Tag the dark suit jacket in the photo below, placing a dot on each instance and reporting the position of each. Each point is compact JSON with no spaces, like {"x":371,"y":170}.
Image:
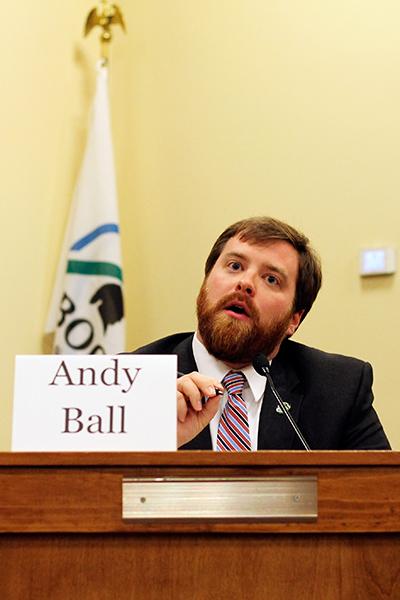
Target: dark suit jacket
{"x":330,"y":397}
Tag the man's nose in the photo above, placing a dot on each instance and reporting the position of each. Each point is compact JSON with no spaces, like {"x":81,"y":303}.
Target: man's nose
{"x":246,"y":286}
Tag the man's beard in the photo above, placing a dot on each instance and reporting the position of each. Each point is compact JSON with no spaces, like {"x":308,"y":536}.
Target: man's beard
{"x":237,"y":341}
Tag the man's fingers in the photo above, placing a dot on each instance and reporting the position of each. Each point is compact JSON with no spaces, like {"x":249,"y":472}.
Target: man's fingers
{"x":190,"y":391}
{"x":195,"y":386}
{"x":193,"y":413}
{"x":182,"y":407}
{"x":191,"y":422}
{"x":210,"y":408}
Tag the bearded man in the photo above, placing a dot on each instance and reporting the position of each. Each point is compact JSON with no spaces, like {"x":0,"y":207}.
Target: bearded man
{"x":261,"y":280}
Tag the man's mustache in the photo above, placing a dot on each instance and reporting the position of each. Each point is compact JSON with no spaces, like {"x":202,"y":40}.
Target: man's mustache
{"x":241,"y":300}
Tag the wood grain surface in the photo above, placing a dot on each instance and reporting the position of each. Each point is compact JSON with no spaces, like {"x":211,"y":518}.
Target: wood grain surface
{"x":62,"y":535}
{"x":357,"y":494}
{"x":151,"y":567}
{"x":202,"y":458}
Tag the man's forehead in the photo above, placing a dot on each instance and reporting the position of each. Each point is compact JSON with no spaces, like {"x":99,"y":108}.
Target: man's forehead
{"x":238,"y":244}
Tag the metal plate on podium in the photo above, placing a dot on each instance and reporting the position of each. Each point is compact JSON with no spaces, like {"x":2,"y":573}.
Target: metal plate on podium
{"x":253,"y":498}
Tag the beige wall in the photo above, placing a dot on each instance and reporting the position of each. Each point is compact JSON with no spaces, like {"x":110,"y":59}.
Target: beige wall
{"x":221,"y":109}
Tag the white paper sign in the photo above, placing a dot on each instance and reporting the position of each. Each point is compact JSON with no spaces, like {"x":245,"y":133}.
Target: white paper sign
{"x":95,"y":402}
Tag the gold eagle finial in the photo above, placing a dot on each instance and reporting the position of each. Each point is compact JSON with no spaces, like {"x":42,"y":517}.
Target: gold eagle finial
{"x":104,"y":15}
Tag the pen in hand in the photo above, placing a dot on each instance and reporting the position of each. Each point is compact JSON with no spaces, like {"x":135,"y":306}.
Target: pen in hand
{"x":218,"y":392}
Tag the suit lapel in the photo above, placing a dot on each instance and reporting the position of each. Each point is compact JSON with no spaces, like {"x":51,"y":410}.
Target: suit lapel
{"x":187,"y":364}
{"x":184,"y":352}
{"x":275,"y":431}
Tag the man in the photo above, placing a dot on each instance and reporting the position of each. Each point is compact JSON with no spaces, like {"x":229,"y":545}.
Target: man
{"x":261,"y":279}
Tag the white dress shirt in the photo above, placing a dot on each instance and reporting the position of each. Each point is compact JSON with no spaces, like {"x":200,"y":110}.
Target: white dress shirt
{"x":253,"y":390}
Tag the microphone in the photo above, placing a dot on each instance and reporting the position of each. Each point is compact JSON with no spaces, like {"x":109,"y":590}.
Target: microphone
{"x":260,"y":364}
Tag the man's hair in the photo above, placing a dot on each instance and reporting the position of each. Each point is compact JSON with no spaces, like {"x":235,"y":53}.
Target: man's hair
{"x":261,"y":230}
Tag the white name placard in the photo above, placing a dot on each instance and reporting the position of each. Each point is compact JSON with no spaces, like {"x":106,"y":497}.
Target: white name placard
{"x":97,"y":402}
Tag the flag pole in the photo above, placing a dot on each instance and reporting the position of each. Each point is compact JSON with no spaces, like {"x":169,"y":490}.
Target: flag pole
{"x":104,"y":15}
{"x":86,"y":314}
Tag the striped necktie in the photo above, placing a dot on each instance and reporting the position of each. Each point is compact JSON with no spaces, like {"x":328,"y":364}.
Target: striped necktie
{"x":233,"y":429}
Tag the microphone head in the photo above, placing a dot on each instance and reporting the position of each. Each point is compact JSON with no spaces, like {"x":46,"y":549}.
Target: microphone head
{"x":260,"y":364}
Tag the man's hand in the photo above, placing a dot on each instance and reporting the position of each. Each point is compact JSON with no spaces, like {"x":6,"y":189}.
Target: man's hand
{"x":193,"y":415}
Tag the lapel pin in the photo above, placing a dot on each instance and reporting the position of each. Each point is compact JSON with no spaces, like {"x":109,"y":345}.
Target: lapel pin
{"x":280,"y":411}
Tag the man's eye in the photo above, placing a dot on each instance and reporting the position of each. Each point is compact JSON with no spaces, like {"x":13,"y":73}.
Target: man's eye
{"x":272,"y":280}
{"x":235,"y":266}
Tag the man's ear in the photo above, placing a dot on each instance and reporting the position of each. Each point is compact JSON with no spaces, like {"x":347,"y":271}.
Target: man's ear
{"x":294,"y":322}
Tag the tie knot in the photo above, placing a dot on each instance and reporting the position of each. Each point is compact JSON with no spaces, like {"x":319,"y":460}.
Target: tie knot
{"x":234,"y":382}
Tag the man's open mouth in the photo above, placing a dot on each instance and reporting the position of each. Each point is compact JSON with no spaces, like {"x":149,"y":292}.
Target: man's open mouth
{"x":238,"y":309}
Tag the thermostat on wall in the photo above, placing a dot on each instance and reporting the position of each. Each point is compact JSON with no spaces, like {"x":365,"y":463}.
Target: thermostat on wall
{"x":377,"y":261}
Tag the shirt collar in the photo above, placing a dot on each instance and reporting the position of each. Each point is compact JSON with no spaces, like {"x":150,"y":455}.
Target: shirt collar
{"x":206,"y":363}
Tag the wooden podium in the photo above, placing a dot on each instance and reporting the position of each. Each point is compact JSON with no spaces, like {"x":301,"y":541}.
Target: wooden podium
{"x":63,"y":535}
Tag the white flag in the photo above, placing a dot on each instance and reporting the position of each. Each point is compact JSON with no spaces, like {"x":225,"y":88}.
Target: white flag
{"x":86,"y":312}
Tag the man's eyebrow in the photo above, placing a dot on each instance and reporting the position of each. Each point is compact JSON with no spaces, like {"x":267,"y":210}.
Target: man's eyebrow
{"x":236,"y":255}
